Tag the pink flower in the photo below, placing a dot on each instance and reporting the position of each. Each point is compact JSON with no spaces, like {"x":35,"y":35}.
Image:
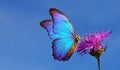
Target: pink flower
{"x":92,"y":43}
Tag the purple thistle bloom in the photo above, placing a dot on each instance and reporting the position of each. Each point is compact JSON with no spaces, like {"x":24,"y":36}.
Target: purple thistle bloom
{"x":92,"y":43}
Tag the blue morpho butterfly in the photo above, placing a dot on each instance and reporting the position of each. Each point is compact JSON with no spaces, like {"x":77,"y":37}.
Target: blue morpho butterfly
{"x":62,"y":33}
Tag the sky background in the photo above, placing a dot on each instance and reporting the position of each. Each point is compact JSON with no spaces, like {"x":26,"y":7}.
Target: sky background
{"x":24,"y":45}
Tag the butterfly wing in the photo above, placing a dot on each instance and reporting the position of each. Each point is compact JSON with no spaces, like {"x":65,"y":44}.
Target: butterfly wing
{"x":48,"y":25}
{"x":62,"y":26}
{"x":64,"y":36}
{"x":61,"y":48}
{"x":61,"y":31}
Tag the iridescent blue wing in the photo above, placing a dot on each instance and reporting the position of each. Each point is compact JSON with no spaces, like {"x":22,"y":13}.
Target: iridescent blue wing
{"x":61,"y":31}
{"x":62,"y":26}
{"x":48,"y":25}
{"x":61,"y":47}
{"x":64,"y":36}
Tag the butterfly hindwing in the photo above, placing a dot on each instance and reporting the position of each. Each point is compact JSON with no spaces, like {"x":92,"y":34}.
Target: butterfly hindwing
{"x":61,"y":47}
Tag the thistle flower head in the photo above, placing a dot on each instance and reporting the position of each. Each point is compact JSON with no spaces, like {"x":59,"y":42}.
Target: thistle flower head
{"x":93,"y":43}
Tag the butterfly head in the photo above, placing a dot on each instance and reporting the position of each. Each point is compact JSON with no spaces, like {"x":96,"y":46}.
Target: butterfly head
{"x":77,"y":39}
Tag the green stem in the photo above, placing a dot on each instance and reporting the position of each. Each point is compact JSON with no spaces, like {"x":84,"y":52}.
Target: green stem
{"x":98,"y":59}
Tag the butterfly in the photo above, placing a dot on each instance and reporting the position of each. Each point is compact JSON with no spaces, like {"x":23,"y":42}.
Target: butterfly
{"x":61,"y":31}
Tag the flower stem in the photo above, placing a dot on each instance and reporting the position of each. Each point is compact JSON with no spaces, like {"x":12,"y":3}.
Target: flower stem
{"x":98,"y":59}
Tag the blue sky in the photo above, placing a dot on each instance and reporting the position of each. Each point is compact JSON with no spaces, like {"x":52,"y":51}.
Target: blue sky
{"x":24,"y":45}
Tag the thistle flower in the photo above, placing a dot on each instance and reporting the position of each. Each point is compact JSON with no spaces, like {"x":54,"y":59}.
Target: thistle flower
{"x":92,"y":43}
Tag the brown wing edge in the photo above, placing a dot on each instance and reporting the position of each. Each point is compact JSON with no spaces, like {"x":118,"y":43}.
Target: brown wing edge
{"x":44,"y":22}
{"x":56,"y":10}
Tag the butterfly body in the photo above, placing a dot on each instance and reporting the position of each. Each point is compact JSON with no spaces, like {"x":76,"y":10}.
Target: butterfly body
{"x":62,"y":33}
